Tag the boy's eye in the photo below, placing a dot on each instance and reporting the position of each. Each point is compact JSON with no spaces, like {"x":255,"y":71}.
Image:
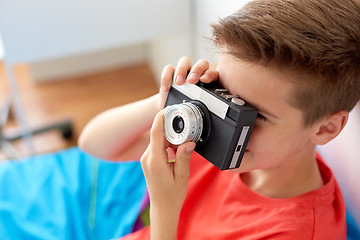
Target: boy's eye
{"x":261,"y":117}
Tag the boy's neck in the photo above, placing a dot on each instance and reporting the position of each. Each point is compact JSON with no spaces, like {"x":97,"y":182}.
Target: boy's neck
{"x":297,"y":176}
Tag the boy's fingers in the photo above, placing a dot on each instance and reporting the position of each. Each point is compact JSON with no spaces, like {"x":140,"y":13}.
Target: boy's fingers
{"x":182,"y":162}
{"x":157,"y":129}
{"x":157,"y":137}
{"x":166,"y":78}
{"x":166,"y":81}
{"x":158,"y":144}
{"x":209,"y":76}
{"x":198,"y":70}
{"x":184,"y":65}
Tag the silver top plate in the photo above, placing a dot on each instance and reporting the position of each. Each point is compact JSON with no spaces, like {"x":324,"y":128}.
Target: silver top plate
{"x":215,"y":105}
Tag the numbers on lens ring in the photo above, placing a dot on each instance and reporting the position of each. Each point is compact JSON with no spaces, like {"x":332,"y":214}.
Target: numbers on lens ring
{"x":183,"y":133}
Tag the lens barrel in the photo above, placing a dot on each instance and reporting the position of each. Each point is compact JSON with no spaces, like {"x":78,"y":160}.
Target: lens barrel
{"x":185,"y":122}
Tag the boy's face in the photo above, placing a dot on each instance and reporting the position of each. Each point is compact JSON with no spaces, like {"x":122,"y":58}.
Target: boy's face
{"x":279,"y":138}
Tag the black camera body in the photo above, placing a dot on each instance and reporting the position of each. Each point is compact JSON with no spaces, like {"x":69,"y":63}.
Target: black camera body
{"x":226,"y":122}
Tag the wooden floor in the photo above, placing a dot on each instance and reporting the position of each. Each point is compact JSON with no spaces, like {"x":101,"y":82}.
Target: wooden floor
{"x":79,"y":99}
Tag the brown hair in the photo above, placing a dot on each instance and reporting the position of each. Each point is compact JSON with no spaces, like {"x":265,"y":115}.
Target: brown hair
{"x":318,"y":41}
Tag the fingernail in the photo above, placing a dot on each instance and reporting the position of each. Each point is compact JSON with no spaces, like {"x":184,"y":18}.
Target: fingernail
{"x":204,"y":77}
{"x":193,"y":77}
{"x":190,"y":149}
{"x":179,"y":79}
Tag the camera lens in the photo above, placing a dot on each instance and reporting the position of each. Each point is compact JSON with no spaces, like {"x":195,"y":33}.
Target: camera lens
{"x":178,"y":124}
{"x":186,"y":122}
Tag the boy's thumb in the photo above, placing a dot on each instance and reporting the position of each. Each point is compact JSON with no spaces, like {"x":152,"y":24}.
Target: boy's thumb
{"x":183,"y":156}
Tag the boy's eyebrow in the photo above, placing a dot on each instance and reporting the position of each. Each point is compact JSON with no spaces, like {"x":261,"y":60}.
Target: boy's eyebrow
{"x":261,"y":110}
{"x":267,"y":113}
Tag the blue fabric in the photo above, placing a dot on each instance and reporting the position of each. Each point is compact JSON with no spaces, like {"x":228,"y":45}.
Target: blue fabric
{"x":353,"y":232}
{"x":69,"y":195}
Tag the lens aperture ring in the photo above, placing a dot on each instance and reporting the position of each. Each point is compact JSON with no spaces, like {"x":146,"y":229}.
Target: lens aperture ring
{"x":183,"y":123}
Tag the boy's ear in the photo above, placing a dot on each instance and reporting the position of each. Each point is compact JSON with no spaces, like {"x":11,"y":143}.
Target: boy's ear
{"x":329,"y":128}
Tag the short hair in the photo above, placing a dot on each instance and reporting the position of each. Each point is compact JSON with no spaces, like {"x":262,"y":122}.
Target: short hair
{"x":318,"y":41}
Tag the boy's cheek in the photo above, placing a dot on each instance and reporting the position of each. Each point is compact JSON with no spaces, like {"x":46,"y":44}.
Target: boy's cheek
{"x":262,"y":140}
{"x":258,"y":134}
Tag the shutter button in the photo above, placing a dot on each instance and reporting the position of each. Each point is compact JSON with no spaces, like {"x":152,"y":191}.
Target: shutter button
{"x":238,"y":101}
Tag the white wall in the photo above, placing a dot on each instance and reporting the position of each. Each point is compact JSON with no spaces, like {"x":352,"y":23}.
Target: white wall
{"x":61,"y":28}
{"x":207,"y":12}
{"x":191,"y":40}
{"x":53,"y":32}
{"x":1,"y":50}
{"x":196,"y":44}
{"x":168,"y":50}
{"x":84,"y":64}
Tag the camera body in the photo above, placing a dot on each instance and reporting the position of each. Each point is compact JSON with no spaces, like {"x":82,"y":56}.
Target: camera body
{"x":226,"y":122}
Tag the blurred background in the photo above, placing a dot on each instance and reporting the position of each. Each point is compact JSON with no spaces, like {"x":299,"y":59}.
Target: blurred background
{"x":70,"y":60}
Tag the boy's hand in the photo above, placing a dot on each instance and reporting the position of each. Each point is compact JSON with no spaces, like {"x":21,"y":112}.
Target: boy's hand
{"x":167,"y":180}
{"x":199,"y":72}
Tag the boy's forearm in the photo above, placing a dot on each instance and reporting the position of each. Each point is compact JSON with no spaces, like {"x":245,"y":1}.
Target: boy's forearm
{"x":114,"y":130}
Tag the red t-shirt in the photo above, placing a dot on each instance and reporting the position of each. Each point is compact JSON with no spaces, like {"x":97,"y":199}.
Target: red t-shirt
{"x":220,"y":206}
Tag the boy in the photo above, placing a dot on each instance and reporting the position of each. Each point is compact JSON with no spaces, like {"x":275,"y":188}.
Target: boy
{"x":298,"y":63}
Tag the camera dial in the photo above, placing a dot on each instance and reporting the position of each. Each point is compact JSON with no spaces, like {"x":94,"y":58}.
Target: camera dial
{"x":185,"y":122}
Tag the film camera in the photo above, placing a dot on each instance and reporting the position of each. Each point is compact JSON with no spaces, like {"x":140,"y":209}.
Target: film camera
{"x":219,"y":123}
